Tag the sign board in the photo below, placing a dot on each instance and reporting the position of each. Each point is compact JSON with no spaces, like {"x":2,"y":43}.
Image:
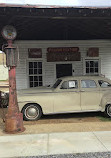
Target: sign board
{"x":9,"y":32}
{"x":93,"y":52}
{"x":63,"y":49}
{"x":63,"y":54}
{"x":72,"y":84}
{"x":34,"y":53}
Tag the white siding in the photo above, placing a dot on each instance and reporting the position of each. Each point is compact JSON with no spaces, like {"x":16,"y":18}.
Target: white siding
{"x":49,"y":74}
{"x":21,"y":70}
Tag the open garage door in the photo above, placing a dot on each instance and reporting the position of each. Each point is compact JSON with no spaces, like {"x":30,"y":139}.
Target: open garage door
{"x":63,"y":70}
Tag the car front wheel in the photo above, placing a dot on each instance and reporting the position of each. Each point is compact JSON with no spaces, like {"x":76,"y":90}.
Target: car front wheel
{"x":31,"y":112}
{"x":108,"y":110}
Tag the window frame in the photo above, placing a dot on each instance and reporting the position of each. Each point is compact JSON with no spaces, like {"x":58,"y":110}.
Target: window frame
{"x":88,"y":80}
{"x":104,"y":81}
{"x":37,"y":61}
{"x":67,"y":86}
{"x":92,"y":59}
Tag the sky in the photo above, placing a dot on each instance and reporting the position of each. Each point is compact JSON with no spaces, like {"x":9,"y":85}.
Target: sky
{"x":91,"y":3}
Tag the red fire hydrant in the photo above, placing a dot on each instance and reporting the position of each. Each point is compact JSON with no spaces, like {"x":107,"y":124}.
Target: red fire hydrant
{"x":14,"y":118}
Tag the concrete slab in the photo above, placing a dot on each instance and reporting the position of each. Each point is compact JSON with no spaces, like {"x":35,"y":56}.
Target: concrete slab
{"x":63,"y":143}
{"x":105,"y":138}
{"x":54,"y":143}
{"x":23,"y":145}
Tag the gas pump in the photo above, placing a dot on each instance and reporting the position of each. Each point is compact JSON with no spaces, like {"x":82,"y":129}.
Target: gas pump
{"x":13,"y":118}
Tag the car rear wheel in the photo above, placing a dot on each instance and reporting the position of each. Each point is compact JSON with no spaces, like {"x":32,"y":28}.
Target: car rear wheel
{"x":31,"y":112}
{"x":108,"y":110}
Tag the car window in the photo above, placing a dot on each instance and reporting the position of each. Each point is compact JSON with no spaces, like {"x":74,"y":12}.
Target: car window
{"x":69,"y":84}
{"x":103,"y":84}
{"x":56,"y":83}
{"x":88,"y":84}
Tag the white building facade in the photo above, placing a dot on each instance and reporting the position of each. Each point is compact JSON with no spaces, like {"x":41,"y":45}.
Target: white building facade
{"x":37,"y":70}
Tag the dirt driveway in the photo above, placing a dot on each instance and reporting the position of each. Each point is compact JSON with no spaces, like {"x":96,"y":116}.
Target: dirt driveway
{"x":61,"y":118}
{"x":83,"y":122}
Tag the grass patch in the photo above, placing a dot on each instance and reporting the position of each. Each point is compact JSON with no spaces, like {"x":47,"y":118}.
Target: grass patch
{"x":103,"y":118}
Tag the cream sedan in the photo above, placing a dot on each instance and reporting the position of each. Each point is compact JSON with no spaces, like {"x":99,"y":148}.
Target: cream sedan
{"x":67,"y":95}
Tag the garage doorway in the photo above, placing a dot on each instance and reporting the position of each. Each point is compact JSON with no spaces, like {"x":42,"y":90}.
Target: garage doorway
{"x":63,"y":70}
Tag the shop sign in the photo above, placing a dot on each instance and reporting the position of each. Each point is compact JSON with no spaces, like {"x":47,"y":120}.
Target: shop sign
{"x":63,"y":54}
{"x":63,"y":49}
{"x":93,"y":52}
{"x":34,"y":53}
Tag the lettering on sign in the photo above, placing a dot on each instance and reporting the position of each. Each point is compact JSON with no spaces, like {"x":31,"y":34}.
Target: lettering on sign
{"x":63,"y":49}
{"x":34,"y":53}
{"x":63,"y":54}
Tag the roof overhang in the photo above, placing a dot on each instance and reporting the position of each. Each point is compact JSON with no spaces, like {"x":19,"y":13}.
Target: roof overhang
{"x":57,"y":23}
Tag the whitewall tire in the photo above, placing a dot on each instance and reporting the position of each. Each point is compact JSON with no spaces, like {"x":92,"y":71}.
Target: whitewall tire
{"x":31,"y":112}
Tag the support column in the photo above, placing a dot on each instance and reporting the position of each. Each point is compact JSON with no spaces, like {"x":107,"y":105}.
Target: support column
{"x":14,"y":119}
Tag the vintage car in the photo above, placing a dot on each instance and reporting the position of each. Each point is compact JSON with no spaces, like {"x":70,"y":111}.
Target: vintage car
{"x":67,"y":95}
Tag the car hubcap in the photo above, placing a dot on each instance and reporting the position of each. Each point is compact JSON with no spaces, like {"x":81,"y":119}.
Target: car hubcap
{"x":32,"y":112}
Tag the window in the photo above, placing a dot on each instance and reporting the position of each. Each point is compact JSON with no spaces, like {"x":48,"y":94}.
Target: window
{"x":69,"y":84}
{"x":56,"y":83}
{"x":103,"y":84}
{"x":88,"y":84}
{"x":35,"y":74}
{"x":92,"y":67}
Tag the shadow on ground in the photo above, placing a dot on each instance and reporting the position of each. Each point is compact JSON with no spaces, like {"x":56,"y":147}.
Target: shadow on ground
{"x":62,"y":118}
{"x":73,"y":115}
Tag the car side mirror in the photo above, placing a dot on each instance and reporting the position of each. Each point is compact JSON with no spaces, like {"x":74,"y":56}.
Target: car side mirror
{"x":109,"y":85}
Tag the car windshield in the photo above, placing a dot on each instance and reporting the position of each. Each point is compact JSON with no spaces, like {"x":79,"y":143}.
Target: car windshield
{"x":56,"y":83}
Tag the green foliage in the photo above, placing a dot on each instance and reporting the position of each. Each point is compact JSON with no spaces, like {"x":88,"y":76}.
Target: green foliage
{"x":103,"y":118}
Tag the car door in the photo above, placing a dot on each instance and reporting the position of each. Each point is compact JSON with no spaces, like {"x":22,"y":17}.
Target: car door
{"x":90,"y":97}
{"x":67,"y":97}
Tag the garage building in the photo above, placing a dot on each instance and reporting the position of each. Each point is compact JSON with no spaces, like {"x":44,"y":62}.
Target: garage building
{"x":56,"y":42}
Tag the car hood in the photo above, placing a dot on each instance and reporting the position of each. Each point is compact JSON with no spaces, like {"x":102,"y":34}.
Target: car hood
{"x":35,"y":90}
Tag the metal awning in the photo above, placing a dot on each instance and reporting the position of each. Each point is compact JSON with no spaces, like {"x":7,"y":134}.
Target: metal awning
{"x":57,"y":23}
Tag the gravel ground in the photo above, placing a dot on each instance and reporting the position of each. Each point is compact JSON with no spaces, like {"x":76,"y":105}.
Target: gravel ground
{"x":84,"y":155}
